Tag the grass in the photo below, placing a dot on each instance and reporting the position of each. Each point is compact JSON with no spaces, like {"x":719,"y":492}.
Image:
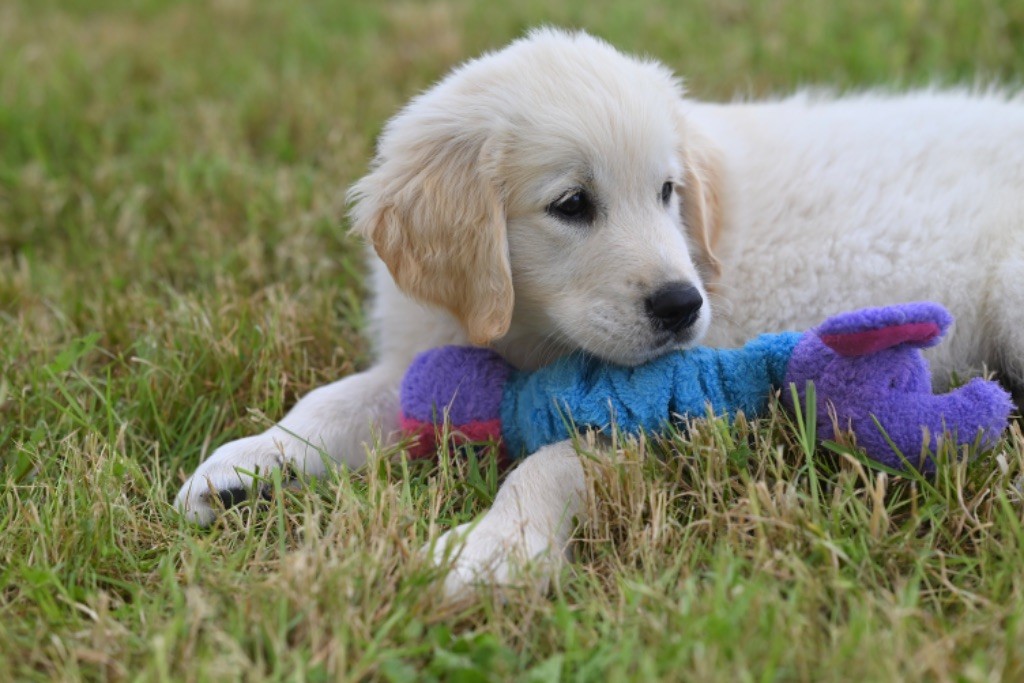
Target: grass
{"x":174,"y":272}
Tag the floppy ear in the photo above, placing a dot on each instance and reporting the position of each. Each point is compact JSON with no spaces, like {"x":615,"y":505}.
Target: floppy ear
{"x":701,"y":201}
{"x":435,"y":215}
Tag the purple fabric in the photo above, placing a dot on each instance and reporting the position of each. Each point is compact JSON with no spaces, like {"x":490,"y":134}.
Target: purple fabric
{"x":477,"y":376}
{"x":893,"y":385}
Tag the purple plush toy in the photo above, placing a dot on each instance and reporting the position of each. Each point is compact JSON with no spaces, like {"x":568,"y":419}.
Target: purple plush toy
{"x":865,"y":366}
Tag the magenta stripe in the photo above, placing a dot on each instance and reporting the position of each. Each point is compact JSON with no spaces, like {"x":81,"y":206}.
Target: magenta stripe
{"x":872,"y":341}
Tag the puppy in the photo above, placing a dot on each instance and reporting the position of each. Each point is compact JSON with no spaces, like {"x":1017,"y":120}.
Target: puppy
{"x":559,"y":195}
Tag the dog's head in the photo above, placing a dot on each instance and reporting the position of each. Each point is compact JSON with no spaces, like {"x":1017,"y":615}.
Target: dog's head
{"x":552,"y":198}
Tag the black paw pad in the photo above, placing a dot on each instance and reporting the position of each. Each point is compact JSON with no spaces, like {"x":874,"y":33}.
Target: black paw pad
{"x":232,"y":497}
{"x":229,"y":498}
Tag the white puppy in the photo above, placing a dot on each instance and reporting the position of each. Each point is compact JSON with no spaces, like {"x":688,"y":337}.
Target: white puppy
{"x":558,"y":195}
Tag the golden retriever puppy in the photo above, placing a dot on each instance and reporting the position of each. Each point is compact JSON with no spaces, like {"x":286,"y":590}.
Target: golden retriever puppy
{"x":559,"y":195}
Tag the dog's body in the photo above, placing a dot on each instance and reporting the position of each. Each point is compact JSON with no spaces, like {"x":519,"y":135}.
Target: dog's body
{"x":558,"y":195}
{"x":835,"y":204}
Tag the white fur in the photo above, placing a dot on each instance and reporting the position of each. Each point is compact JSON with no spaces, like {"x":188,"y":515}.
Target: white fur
{"x":785,"y":212}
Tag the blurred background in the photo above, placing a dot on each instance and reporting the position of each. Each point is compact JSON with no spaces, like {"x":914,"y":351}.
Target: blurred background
{"x":133,"y":134}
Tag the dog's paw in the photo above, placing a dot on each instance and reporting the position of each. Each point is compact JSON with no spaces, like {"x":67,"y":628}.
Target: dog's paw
{"x":496,"y":552}
{"x":226,"y":478}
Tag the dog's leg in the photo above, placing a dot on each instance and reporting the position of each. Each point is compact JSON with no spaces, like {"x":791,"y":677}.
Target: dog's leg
{"x":335,"y":423}
{"x":530,"y":523}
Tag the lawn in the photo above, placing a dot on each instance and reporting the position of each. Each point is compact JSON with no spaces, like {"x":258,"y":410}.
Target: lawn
{"x":175,"y":272}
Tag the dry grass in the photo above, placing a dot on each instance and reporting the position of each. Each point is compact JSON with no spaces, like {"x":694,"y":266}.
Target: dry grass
{"x":174,"y":273}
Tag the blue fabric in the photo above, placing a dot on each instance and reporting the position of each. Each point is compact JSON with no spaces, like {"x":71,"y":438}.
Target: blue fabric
{"x":539,"y":407}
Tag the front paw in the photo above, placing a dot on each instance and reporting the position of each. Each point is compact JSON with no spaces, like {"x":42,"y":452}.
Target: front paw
{"x":496,"y":552}
{"x":225,"y":479}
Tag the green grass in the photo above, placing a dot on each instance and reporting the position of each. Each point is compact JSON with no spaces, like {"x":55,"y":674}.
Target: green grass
{"x":174,"y":272}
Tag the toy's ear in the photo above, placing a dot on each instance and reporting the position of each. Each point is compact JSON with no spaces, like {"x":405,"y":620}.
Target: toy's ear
{"x":433,"y":211}
{"x":870,"y":330}
{"x":701,"y":196}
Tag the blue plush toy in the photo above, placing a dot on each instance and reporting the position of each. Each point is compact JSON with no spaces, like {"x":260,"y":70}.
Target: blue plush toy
{"x":866,"y":366}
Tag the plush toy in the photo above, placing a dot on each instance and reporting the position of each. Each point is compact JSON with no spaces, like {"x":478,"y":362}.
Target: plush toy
{"x":865,"y":366}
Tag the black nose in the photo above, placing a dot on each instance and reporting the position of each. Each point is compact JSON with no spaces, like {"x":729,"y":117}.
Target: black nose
{"x":674,"y":306}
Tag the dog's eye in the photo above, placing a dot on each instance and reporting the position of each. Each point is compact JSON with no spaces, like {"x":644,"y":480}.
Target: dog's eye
{"x":575,"y":206}
{"x":666,"y":192}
